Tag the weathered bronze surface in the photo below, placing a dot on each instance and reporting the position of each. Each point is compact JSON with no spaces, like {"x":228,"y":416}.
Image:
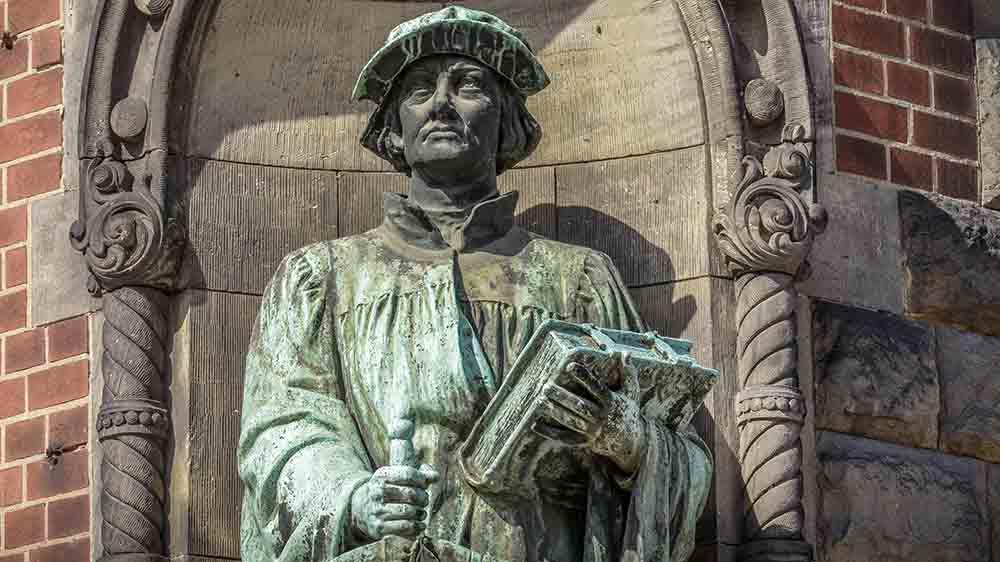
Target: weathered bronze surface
{"x":375,"y":354}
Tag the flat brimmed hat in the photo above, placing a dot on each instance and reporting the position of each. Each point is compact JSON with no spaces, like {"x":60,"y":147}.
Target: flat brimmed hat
{"x":452,"y":30}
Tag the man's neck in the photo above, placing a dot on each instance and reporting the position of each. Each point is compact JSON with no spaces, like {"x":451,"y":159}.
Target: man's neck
{"x":439,"y":196}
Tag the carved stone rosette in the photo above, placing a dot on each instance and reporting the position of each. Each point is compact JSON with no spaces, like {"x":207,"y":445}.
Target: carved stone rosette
{"x":132,"y":247}
{"x":765,"y":233}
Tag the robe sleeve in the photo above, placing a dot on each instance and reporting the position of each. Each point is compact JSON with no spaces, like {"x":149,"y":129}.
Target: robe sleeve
{"x":660,"y":504}
{"x":300,"y":455}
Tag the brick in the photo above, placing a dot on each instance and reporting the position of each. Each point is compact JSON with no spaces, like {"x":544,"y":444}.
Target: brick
{"x":13,"y":225}
{"x":911,"y":168}
{"x":945,"y":134}
{"x":24,"y":350}
{"x":868,"y":31}
{"x":63,"y":552}
{"x":957,"y":180}
{"x":858,"y":71}
{"x":858,"y":156}
{"x":11,"y":397}
{"x":912,"y":9}
{"x":16,"y":267}
{"x":14,"y":61}
{"x":34,"y":177}
{"x":34,"y":93}
{"x":954,"y":95}
{"x":869,"y":4}
{"x":31,"y":135}
{"x":24,"y":439}
{"x":26,"y":14}
{"x":908,"y":83}
{"x":955,"y":15}
{"x":10,"y":486}
{"x":65,"y":473}
{"x":68,"y":338}
{"x":69,"y":517}
{"x":940,"y":50}
{"x":872,"y":117}
{"x":46,"y":47}
{"x":24,"y":526}
{"x":13,"y":310}
{"x":57,"y":385}
{"x":68,"y":428}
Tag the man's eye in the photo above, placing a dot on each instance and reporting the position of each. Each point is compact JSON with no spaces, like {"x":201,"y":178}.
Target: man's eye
{"x":469,"y":82}
{"x":419,"y":92}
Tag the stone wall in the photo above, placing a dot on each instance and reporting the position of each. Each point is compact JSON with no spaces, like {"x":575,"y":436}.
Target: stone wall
{"x":44,"y":361}
{"x":905,"y":324}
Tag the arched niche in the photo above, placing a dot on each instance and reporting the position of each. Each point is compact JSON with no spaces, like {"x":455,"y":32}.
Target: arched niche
{"x":230,"y":125}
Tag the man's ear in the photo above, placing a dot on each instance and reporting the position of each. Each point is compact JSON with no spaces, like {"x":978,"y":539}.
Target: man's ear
{"x":395,"y":142}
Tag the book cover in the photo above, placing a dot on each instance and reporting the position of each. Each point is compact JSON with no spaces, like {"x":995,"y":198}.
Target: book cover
{"x":501,"y":450}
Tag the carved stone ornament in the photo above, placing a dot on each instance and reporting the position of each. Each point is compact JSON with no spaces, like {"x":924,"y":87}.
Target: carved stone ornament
{"x":765,"y":234}
{"x":126,"y":237}
{"x":767,"y":225}
{"x":764,"y":101}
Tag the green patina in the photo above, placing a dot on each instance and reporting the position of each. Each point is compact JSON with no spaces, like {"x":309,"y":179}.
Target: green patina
{"x":415,"y":324}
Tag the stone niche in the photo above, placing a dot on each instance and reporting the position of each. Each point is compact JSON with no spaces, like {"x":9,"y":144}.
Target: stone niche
{"x":272,"y":162}
{"x":234,"y":118}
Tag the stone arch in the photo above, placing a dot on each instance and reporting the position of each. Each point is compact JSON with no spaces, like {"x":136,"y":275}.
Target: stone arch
{"x":194,"y":183}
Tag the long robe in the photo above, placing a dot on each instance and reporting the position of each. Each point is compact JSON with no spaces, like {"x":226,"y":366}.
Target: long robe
{"x":421,"y":319}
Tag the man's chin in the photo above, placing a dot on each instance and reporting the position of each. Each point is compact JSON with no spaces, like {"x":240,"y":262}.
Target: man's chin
{"x":446,"y":156}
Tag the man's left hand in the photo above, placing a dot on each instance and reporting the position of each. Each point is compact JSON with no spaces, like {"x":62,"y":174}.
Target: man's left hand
{"x":607,"y":422}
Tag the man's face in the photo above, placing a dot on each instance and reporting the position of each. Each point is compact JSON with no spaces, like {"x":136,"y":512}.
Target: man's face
{"x":449,"y":109}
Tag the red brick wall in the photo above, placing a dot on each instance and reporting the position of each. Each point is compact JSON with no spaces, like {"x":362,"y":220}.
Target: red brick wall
{"x":904,"y":93}
{"x":44,"y":383}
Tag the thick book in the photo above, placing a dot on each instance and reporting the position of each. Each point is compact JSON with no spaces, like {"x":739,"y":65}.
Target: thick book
{"x":499,"y":453}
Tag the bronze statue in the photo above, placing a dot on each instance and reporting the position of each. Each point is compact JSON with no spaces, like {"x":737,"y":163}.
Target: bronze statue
{"x":375,"y":354}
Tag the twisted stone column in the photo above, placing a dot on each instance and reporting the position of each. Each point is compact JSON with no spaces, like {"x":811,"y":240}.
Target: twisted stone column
{"x":770,"y":414}
{"x":132,"y":424}
{"x":765,"y":233}
{"x":132,"y":251}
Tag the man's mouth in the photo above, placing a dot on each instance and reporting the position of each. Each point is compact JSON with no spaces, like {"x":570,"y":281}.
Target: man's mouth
{"x":441,"y":132}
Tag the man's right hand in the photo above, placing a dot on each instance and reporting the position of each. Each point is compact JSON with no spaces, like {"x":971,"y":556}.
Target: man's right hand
{"x":392,"y":502}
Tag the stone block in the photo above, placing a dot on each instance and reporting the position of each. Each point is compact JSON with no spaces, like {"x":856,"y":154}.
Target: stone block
{"x":951,"y":261}
{"x":649,"y":213}
{"x":988,"y":94}
{"x":58,"y":273}
{"x":883,"y":502}
{"x":856,"y":260}
{"x":244,"y":219}
{"x":207,"y":393}
{"x":875,"y":375}
{"x":970,"y":419}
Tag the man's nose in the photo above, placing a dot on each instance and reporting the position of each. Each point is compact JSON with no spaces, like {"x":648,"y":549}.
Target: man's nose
{"x":441,"y":101}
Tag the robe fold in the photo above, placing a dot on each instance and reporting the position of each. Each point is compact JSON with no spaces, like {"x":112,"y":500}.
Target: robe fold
{"x":422,"y":321}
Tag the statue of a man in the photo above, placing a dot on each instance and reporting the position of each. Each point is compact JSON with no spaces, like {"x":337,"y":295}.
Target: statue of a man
{"x":420,"y":319}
